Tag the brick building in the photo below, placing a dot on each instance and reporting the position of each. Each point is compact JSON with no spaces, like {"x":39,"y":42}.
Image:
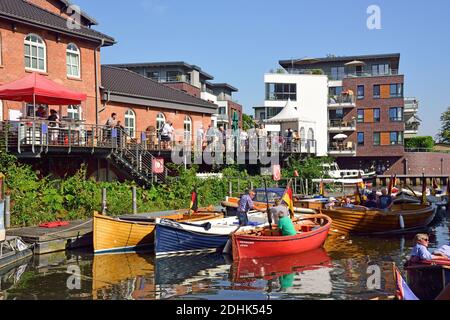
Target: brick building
{"x":35,"y":37}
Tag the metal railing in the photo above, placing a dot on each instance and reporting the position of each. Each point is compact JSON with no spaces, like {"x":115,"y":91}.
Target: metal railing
{"x":341,"y":99}
{"x":342,"y":148}
{"x":367,"y":72}
{"x":341,"y":124}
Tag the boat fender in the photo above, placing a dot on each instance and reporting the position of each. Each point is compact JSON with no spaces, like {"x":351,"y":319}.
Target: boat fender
{"x":402,"y":222}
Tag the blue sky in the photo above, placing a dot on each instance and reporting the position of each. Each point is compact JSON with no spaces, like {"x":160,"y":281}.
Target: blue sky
{"x":239,"y":41}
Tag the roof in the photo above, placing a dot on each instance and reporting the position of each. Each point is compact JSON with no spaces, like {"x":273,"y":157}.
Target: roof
{"x":164,"y":64}
{"x":92,"y":21}
{"x":128,"y":83}
{"x":290,"y":113}
{"x":222,"y":85}
{"x":27,"y":13}
{"x":289,"y":62}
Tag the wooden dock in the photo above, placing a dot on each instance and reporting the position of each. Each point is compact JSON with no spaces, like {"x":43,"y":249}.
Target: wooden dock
{"x":77,"y":234}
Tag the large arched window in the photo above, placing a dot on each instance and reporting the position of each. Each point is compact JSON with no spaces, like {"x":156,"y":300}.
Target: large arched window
{"x":187,"y":128}
{"x":303,"y":134}
{"x":73,"y":61}
{"x":160,"y":121}
{"x":35,"y":53}
{"x":310,"y":134}
{"x":130,"y":123}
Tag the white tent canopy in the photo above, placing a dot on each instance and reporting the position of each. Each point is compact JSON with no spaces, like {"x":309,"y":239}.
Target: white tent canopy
{"x":290,"y":113}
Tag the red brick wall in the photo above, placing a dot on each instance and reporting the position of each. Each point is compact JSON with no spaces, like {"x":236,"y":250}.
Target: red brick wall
{"x":146,"y":117}
{"x":189,"y":89}
{"x":13,"y":64}
{"x":422,"y":162}
{"x":385,"y":125}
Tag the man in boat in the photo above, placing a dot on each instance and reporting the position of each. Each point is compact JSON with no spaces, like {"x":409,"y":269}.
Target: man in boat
{"x":420,"y":251}
{"x":385,"y":201}
{"x":277,"y":209}
{"x":245,"y":206}
{"x":286,"y":225}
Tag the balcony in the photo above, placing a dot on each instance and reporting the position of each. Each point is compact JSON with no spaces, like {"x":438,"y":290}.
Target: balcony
{"x":178,"y":78}
{"x":411,"y":105}
{"x":222,"y":118}
{"x":340,"y":76}
{"x":339,"y":149}
{"x":338,"y":125}
{"x":341,"y":101}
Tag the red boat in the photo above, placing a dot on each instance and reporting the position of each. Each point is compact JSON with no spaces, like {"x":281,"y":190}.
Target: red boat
{"x":249,"y":270}
{"x":312,"y":233}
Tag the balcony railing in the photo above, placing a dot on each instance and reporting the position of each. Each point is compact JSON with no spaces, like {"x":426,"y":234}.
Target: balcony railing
{"x":179,"y":78}
{"x":341,"y":100}
{"x":347,"y":74}
{"x":338,"y":148}
{"x":341,"y":125}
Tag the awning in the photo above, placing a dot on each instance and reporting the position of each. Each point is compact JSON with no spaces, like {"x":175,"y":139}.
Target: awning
{"x":36,"y":88}
{"x":290,"y":113}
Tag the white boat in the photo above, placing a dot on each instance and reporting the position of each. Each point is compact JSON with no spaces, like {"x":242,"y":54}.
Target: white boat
{"x":334,"y":172}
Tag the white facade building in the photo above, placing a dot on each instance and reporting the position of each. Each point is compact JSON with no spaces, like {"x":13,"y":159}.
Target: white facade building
{"x":308,"y":96}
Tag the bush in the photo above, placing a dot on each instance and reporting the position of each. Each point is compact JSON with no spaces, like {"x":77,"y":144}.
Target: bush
{"x":420,"y":143}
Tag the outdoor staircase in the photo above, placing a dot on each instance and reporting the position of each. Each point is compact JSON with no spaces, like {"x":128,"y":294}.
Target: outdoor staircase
{"x":137,"y":161}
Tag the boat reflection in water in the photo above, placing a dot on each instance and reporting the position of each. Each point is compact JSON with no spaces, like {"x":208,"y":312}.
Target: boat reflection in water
{"x":306,"y":273}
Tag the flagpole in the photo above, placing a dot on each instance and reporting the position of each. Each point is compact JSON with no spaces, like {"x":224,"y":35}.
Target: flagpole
{"x":269,"y":216}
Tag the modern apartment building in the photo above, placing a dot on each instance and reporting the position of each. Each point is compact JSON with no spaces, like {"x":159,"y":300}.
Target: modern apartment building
{"x":192,"y":80}
{"x":412,"y":120}
{"x":366,"y":106}
{"x":305,"y":96}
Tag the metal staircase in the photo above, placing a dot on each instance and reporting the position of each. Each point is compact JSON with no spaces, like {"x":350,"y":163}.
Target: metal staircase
{"x":133,"y":157}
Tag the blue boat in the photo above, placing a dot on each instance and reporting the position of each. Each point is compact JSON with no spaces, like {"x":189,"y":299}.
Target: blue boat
{"x":176,"y":238}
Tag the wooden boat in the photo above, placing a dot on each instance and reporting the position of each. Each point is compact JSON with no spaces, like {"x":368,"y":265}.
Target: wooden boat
{"x":175,"y":238}
{"x":249,"y":270}
{"x":428,"y":279}
{"x":312,"y":234}
{"x":401,"y":218}
{"x":133,"y":234}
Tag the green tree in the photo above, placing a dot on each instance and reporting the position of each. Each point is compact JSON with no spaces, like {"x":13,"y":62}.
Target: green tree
{"x":247,"y":122}
{"x":420,"y":143}
{"x":444,"y":134}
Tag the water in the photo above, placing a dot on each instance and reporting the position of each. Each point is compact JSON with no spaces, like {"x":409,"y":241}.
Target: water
{"x":340,"y":271}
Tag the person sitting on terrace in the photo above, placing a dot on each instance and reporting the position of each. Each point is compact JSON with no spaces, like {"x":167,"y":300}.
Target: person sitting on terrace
{"x":385,"y":201}
{"x":420,"y":251}
{"x":41,"y":112}
{"x":286,"y":225}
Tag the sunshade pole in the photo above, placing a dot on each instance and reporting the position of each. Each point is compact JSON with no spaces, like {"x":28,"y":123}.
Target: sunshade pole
{"x":34,"y":106}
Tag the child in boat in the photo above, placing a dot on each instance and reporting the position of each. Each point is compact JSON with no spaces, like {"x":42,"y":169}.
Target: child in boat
{"x":286,"y":225}
{"x":420,"y":251}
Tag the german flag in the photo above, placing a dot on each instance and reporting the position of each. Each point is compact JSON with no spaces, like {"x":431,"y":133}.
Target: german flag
{"x":194,"y":202}
{"x":322,"y":189}
{"x":288,"y":199}
{"x":392,"y":184}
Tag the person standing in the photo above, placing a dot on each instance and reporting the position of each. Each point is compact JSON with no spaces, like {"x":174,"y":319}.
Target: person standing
{"x":245,"y":206}
{"x":200,"y":137}
{"x":54,"y":122}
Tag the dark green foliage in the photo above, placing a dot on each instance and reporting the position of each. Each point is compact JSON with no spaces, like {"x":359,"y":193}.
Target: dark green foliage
{"x":426,"y":143}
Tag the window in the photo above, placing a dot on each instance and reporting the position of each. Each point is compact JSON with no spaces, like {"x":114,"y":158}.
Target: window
{"x":361,"y":92}
{"x":187,"y":128}
{"x":340,"y":114}
{"x":380,"y":69}
{"x":360,"y":116}
{"x":310,"y":134}
{"x":173,"y":76}
{"x":396,"y":114}
{"x":360,"y":138}
{"x":130,"y":123}
{"x":154,"y":75}
{"x":160,"y":121}
{"x":397,"y":90}
{"x":74,"y":112}
{"x":376,"y":138}
{"x":396,"y":138}
{"x":35,"y":53}
{"x":40,"y":111}
{"x":336,"y":91}
{"x":376,"y":91}
{"x":73,"y":61}
{"x":222,"y":110}
{"x":337,"y":73}
{"x":376,"y":115}
{"x":302,"y":134}
{"x":281,"y":91}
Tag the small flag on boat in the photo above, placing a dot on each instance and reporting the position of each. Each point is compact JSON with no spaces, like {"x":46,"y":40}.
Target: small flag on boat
{"x":288,"y":199}
{"x":358,"y":195}
{"x":404,"y":292}
{"x":392,"y":184}
{"x":194,"y":201}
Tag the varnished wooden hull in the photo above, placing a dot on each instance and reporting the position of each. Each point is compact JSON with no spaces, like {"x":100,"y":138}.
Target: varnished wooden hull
{"x":360,"y":221}
{"x":117,"y":235}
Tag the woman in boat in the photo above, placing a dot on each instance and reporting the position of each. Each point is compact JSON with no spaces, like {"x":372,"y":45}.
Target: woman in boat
{"x":420,"y":251}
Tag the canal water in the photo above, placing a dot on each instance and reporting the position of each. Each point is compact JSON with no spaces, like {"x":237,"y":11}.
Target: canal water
{"x":347,"y":268}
